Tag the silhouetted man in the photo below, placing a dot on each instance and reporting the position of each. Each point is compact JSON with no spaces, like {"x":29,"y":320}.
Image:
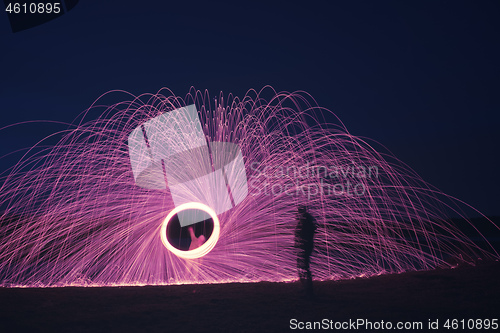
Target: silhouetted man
{"x":304,"y":241}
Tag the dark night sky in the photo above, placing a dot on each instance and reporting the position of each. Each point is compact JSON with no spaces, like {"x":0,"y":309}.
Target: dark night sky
{"x":420,"y":77}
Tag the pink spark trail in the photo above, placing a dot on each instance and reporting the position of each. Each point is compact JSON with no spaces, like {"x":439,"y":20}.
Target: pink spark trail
{"x":73,"y":214}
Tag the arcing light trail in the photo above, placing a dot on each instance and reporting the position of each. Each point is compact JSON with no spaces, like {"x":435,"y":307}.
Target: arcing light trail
{"x":73,"y":214}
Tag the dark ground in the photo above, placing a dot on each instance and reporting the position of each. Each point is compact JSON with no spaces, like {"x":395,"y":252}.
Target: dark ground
{"x":463,"y":293}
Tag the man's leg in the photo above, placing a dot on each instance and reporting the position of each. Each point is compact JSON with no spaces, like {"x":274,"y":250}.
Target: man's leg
{"x":308,"y":275}
{"x":301,"y":266}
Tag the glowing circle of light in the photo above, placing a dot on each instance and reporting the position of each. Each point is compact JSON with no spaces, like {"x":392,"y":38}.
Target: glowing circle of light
{"x":206,"y":247}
